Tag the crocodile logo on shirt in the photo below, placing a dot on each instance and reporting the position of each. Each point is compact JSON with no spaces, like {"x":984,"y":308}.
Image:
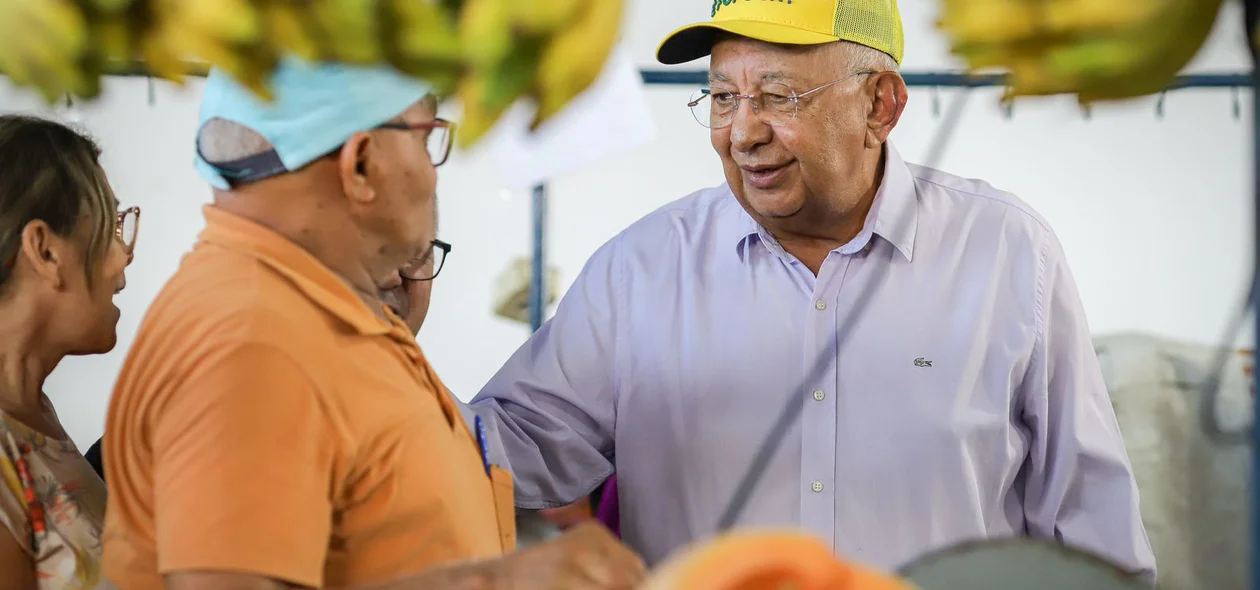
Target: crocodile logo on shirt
{"x":920,"y":362}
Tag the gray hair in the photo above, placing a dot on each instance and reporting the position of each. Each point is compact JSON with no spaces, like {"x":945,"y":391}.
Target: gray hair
{"x":221,"y":140}
{"x":861,"y":58}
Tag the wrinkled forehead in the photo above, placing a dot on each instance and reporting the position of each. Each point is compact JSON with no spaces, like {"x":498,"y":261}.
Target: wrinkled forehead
{"x":740,"y":60}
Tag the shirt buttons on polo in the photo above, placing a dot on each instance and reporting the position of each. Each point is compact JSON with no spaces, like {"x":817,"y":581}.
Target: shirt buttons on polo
{"x":816,"y":486}
{"x":820,"y":305}
{"x":819,"y":395}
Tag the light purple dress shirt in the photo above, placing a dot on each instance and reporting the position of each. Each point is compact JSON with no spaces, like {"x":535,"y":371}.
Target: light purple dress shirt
{"x":961,"y":399}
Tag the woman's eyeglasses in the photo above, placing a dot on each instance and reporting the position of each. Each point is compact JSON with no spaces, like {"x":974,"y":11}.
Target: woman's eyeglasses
{"x":128,"y":226}
{"x":427,"y":266}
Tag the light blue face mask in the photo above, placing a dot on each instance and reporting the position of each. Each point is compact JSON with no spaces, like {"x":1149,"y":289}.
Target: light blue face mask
{"x":316,"y":108}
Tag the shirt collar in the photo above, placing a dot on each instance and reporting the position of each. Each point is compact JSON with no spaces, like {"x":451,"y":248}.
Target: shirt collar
{"x":894,"y":214}
{"x":314,"y":280}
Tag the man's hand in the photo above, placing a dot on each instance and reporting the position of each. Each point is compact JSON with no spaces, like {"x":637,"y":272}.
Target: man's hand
{"x":587,"y":556}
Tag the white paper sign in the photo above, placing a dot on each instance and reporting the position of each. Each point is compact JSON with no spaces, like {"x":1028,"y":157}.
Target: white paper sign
{"x":611,"y":117}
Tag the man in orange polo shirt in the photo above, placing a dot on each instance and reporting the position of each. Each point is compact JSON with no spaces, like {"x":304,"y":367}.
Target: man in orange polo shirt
{"x":274,"y":425}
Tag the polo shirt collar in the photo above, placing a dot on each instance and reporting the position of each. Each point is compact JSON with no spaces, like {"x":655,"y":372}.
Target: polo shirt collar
{"x":308,"y":275}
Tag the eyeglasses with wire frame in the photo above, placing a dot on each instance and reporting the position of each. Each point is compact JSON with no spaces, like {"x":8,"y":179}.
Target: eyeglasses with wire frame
{"x":438,"y":142}
{"x":776,"y":104}
{"x":426,"y":266}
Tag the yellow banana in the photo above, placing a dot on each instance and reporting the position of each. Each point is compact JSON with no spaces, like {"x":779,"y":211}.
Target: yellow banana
{"x":288,"y":29}
{"x":424,"y":30}
{"x":539,"y":17}
{"x":350,"y":28}
{"x":161,"y":54}
{"x":1138,"y":59}
{"x":573,"y":59}
{"x":985,"y":22}
{"x":234,"y":21}
{"x":420,"y":39}
{"x":485,"y":31}
{"x":487,"y":96}
{"x":111,"y":39}
{"x":44,"y":42}
{"x":1087,"y":17}
{"x":1167,"y":52}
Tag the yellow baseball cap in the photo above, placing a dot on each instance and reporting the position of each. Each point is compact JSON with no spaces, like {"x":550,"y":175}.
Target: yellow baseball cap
{"x":873,"y":23}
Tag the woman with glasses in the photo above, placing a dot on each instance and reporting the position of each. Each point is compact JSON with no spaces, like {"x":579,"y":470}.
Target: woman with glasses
{"x":64,"y":247}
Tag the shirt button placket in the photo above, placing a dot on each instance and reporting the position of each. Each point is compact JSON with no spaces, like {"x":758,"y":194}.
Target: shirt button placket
{"x":819,"y":422}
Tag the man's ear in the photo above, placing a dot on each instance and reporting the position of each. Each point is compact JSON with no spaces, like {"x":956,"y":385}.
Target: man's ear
{"x":47,"y":253}
{"x":353,"y":165}
{"x":888,"y":101}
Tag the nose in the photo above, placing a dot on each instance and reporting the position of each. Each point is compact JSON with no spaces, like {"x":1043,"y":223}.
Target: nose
{"x":747,"y":129}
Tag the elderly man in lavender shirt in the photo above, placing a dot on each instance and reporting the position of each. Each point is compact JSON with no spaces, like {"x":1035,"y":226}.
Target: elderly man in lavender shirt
{"x":958,"y":397}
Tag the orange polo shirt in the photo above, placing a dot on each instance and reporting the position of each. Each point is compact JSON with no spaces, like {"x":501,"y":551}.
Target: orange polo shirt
{"x":267,"y":422}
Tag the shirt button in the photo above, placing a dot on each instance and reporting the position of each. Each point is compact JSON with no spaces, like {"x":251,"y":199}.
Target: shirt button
{"x":820,"y":305}
{"x":819,"y":395}
{"x":816,"y":486}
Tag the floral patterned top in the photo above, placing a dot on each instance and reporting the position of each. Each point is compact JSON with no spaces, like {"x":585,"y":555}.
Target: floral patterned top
{"x":54,"y":504}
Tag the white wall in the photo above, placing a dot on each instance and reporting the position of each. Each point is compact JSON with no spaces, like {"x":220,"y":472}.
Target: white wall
{"x":1153,"y":212}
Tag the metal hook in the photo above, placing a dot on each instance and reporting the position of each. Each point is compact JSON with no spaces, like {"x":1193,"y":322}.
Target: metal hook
{"x":72,"y":114}
{"x":1008,"y":108}
{"x":1234,"y":96}
{"x":152,"y":92}
{"x":1087,"y":111}
{"x":936,"y":102}
{"x":1159,"y":105}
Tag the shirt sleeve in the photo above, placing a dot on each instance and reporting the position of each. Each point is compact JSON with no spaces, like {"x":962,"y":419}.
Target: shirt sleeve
{"x":243,"y":464}
{"x":1079,"y":486}
{"x":549,"y":412}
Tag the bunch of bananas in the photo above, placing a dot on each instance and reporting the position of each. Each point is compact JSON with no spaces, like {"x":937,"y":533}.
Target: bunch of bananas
{"x":489,"y":53}
{"x":548,"y":50}
{"x":1095,"y":49}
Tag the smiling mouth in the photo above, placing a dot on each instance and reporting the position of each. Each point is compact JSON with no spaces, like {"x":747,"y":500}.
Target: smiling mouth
{"x":763,"y":176}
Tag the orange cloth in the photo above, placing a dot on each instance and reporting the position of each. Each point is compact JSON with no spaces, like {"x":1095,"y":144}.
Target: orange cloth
{"x":266,"y":421}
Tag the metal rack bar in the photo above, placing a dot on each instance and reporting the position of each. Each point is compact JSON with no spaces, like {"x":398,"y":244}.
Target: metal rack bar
{"x":912,"y":78}
{"x":955,"y":79}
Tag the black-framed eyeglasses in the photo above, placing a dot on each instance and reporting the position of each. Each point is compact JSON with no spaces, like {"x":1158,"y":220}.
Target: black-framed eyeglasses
{"x":427,"y":266}
{"x":441,"y":136}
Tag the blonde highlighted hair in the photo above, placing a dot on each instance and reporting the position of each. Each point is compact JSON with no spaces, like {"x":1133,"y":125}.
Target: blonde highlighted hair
{"x":52,"y":173}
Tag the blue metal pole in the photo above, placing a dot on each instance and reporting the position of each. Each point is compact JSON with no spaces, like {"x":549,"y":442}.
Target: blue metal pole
{"x":1255,"y":424}
{"x":955,"y":79}
{"x":538,"y":272}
